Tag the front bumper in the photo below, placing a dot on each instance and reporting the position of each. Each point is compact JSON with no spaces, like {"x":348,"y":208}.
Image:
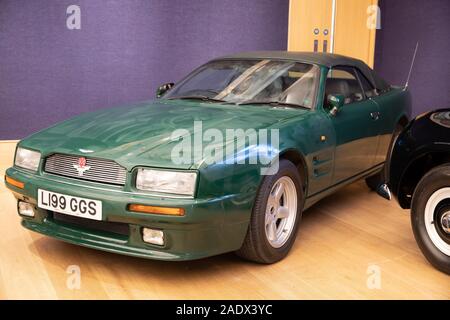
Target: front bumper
{"x":209,"y":227}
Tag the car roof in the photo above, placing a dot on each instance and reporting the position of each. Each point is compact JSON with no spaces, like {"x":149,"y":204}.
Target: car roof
{"x":325,"y":59}
{"x":320,"y":58}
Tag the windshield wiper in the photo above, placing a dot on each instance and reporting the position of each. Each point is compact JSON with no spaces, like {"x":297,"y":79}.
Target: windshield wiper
{"x":202,"y":98}
{"x":274,"y":103}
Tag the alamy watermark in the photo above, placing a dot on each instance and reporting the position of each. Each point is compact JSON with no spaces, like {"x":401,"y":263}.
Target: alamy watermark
{"x":73,"y":20}
{"x":374,"y":19}
{"x":231,"y":146}
{"x":374,"y":277}
{"x":73,"y":281}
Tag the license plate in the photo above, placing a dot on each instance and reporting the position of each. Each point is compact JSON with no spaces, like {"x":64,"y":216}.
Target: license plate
{"x":74,"y":206}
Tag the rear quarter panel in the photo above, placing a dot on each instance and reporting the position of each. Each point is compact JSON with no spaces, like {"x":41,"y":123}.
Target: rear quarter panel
{"x":393,"y":105}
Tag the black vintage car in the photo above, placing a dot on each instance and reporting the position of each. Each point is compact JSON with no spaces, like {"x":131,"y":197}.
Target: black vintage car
{"x":418,"y":175}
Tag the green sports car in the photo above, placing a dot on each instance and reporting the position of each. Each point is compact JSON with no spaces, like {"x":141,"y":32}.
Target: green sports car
{"x":225,"y":160}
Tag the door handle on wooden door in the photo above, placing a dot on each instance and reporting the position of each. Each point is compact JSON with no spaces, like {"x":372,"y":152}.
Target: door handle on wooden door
{"x":325,"y":45}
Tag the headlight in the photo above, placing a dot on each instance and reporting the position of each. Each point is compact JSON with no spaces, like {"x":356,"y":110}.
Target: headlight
{"x":27,"y":159}
{"x":166,"y":181}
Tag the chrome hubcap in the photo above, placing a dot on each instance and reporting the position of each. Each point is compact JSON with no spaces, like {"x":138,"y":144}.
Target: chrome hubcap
{"x":281,"y":212}
{"x":431,"y":225}
{"x":445,"y":222}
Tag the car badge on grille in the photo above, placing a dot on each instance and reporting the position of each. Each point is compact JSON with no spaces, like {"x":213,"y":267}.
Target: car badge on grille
{"x":81,"y":166}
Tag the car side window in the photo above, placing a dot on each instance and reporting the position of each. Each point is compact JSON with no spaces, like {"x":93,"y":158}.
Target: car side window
{"x":342,"y":80}
{"x":369,"y":89}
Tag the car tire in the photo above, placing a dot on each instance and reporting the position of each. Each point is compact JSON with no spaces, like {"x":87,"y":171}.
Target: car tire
{"x":373,"y":182}
{"x":276,"y":215}
{"x":430,"y":203}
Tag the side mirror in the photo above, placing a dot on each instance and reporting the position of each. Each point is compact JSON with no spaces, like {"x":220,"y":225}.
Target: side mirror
{"x":163,"y":89}
{"x":335,"y":101}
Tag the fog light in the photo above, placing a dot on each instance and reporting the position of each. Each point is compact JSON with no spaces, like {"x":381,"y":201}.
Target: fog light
{"x":153,"y":236}
{"x":26,"y":209}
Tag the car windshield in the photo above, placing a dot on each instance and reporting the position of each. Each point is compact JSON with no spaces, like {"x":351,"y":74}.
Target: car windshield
{"x":287,"y":83}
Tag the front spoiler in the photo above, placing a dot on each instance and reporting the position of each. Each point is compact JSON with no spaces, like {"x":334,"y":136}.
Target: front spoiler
{"x":102,"y":242}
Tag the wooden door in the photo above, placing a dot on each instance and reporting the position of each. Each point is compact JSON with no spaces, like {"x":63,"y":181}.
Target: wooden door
{"x":353,"y":35}
{"x":336,"y":26}
{"x":310,"y":24}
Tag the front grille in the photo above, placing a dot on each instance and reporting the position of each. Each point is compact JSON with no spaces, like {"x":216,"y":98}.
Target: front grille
{"x":105,"y":226}
{"x":100,"y":170}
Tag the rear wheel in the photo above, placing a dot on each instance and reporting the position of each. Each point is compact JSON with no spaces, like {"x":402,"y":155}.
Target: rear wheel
{"x":430,"y":216}
{"x":373,"y":182}
{"x":275,"y":218}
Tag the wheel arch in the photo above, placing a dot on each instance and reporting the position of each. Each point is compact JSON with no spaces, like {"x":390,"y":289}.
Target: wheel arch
{"x":297,"y":158}
{"x":414,"y":172}
{"x":403,"y":121}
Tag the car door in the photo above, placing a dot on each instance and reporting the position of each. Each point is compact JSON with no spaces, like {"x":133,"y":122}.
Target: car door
{"x":386,"y":120}
{"x":356,"y":125}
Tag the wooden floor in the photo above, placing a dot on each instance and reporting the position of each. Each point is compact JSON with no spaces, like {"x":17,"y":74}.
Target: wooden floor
{"x":344,"y":242}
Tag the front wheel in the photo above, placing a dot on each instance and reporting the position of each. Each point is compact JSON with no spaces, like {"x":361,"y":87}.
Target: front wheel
{"x":276,"y":215}
{"x":430,"y":217}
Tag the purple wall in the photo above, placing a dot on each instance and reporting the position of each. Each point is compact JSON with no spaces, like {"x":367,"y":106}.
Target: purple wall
{"x":123,"y":51}
{"x":403,"y":23}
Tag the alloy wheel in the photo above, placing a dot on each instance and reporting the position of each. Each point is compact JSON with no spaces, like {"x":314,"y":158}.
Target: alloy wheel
{"x":281,"y":212}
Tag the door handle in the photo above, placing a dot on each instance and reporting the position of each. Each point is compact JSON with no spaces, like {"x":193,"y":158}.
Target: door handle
{"x":325,"y":45}
{"x":375,"y":115}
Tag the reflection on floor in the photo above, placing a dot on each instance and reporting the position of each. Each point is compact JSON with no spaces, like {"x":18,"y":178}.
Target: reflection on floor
{"x":351,"y":245}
